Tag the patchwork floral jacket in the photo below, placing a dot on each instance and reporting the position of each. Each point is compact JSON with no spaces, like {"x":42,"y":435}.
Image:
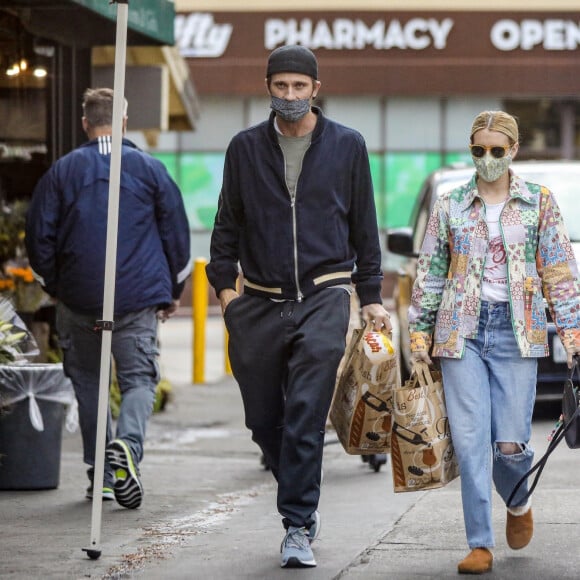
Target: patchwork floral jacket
{"x":446,"y":297}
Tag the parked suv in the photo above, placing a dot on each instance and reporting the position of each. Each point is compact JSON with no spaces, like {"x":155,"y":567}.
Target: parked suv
{"x":562,"y":177}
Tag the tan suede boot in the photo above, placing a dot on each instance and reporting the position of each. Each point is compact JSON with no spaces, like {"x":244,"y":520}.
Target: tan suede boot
{"x":478,"y":561}
{"x":519,"y":530}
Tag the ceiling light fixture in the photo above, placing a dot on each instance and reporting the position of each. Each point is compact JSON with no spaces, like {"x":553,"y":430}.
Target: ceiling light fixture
{"x":39,"y":72}
{"x":13,"y":71}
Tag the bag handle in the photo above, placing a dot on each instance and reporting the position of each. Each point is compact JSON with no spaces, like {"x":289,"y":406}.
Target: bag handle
{"x":539,"y":466}
{"x":421,"y":373}
{"x":556,"y":439}
{"x":355,"y":338}
{"x":367,"y":326}
{"x":571,"y":381}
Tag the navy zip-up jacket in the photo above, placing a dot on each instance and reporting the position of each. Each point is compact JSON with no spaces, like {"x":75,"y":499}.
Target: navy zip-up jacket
{"x":66,"y":230}
{"x":290,"y":250}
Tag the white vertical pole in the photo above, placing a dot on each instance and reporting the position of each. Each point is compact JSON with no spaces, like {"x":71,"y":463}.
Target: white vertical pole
{"x":94,"y":551}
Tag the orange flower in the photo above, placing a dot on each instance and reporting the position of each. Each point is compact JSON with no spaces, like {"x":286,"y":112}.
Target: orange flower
{"x":6,"y":284}
{"x":25,"y":274}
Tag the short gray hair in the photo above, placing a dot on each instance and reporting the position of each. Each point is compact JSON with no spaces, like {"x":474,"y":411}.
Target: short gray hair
{"x":98,"y":107}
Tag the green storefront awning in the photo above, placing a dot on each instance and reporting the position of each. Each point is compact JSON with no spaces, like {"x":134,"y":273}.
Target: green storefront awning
{"x":93,"y":22}
{"x":153,"y":18}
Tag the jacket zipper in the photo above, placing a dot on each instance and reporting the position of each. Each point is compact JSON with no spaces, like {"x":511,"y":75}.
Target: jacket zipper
{"x":299,"y":295}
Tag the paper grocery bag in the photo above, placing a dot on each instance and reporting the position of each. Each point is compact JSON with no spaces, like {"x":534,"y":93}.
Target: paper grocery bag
{"x":360,"y":410}
{"x":421,"y":448}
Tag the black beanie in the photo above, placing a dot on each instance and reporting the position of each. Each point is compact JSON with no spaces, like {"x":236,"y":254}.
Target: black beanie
{"x":294,"y":59}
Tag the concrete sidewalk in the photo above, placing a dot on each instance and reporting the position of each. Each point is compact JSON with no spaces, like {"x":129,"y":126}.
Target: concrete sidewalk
{"x":428,"y":540}
{"x":209,"y":510}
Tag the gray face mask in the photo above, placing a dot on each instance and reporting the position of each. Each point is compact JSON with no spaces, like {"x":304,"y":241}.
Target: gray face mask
{"x":491,"y":169}
{"x":291,"y":111}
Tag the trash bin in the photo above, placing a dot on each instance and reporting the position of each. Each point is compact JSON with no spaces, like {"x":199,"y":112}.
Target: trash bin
{"x":32,"y":412}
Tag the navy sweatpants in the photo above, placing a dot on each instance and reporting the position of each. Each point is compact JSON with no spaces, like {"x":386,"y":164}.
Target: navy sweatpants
{"x":284,"y":356}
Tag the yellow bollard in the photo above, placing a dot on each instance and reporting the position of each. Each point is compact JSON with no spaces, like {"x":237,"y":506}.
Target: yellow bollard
{"x":227,"y":365}
{"x":199,"y":301}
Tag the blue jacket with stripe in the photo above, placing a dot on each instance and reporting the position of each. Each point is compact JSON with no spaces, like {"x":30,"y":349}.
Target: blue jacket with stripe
{"x":66,"y":230}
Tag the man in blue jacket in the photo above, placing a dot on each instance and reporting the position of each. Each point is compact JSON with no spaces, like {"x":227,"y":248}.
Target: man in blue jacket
{"x":297,"y":212}
{"x":66,"y":231}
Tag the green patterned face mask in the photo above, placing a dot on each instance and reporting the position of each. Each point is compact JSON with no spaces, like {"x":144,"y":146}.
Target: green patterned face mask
{"x":490,"y":168}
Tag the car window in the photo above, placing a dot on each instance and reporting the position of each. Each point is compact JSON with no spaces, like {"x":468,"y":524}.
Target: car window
{"x":449,"y":184}
{"x":422,"y":217}
{"x":431,"y":189}
{"x":420,"y":228}
{"x":564,"y":182}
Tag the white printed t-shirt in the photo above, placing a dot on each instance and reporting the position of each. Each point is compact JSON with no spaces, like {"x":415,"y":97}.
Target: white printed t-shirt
{"x":495,"y":287}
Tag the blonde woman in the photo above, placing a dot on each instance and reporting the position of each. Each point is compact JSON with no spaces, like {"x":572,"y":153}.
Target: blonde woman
{"x":494,"y":248}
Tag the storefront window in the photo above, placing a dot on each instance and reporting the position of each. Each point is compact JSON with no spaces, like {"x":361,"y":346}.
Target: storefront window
{"x":22,"y":142}
{"x":549,"y":128}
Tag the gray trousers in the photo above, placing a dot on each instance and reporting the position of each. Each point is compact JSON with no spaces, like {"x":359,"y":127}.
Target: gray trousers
{"x":285,"y":356}
{"x":134,"y":349}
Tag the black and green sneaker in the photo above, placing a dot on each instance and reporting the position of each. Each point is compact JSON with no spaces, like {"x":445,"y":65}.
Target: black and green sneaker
{"x":128,"y":488}
{"x":108,"y":493}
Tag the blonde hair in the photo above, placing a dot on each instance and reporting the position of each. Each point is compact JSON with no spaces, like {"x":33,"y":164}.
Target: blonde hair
{"x":496,"y":121}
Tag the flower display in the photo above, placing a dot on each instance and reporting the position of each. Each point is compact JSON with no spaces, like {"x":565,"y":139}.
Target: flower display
{"x":9,"y":341}
{"x":19,"y":285}
{"x":12,"y":222}
{"x":17,"y":282}
{"x":24,"y":273}
{"x":13,"y":335}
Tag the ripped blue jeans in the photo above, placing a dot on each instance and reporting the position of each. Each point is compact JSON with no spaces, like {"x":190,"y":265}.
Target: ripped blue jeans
{"x":490,"y":396}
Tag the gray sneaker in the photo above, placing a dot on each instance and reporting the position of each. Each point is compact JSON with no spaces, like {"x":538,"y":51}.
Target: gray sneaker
{"x":296,"y":551}
{"x":315,"y":527}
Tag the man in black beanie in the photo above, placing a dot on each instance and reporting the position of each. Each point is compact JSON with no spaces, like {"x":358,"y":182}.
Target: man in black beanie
{"x":296,"y":212}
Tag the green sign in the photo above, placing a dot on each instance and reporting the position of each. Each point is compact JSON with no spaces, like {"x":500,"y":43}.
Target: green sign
{"x":397,"y":179}
{"x":154,"y":18}
{"x":199,"y":176}
{"x":405,"y":173}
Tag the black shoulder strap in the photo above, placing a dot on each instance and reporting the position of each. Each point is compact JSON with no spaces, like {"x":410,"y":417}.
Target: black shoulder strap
{"x":541,"y":463}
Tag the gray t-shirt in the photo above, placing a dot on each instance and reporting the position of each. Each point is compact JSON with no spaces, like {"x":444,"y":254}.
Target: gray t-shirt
{"x":294,"y":149}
